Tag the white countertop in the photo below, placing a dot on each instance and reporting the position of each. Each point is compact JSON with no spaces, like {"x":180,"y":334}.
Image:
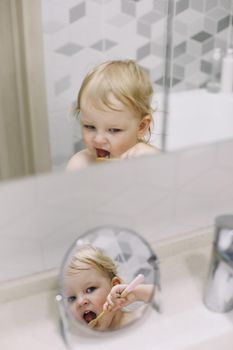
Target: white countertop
{"x":30,"y":321}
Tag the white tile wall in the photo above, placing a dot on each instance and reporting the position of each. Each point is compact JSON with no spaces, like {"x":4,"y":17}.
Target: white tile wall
{"x":158,"y":197}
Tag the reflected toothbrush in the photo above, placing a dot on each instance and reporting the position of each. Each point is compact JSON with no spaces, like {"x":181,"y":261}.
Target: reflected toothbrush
{"x":136,"y":281}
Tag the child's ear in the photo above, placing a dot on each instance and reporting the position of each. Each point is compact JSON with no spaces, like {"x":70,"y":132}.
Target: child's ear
{"x":115,"y":281}
{"x":144,"y":126}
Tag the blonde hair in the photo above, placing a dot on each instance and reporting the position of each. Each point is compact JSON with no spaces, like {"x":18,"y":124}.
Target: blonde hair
{"x":94,"y":257}
{"x":123,"y":79}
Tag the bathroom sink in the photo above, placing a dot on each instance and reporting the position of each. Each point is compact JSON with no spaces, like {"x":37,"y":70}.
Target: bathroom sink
{"x":185,"y":324}
{"x":224,"y":342}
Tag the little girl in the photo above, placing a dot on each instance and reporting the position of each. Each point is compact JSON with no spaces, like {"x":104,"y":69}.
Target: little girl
{"x":114,"y":106}
{"x":93,"y":285}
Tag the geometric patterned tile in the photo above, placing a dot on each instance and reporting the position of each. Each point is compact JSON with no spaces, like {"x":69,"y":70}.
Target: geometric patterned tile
{"x":180,"y":27}
{"x":206,"y":67}
{"x":128,"y":7}
{"x":197,"y":5}
{"x":69,"y":49}
{"x":131,"y":29}
{"x":224,"y":23}
{"x":161,"y":6}
{"x":120,"y":20}
{"x":178,"y":71}
{"x":181,"y":5}
{"x":143,"y":29}
{"x":143,"y":51}
{"x":210,"y":4}
{"x":217,"y":14}
{"x":104,"y":45}
{"x":179,"y":49}
{"x":77,"y":12}
{"x":227,"y":4}
{"x":62,"y":84}
{"x":150,"y":17}
{"x":197,"y":48}
{"x":201,"y":36}
{"x":51,"y":27}
{"x":158,"y":48}
{"x":184,"y":59}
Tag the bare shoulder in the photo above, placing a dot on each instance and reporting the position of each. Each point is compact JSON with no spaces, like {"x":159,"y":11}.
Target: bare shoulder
{"x":153,"y":149}
{"x":79,"y":160}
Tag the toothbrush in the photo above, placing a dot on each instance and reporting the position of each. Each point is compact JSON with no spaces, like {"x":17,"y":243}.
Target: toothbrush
{"x":136,"y":281}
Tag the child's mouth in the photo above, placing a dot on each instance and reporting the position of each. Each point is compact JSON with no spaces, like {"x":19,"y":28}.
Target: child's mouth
{"x":102,"y":153}
{"x":88,"y":316}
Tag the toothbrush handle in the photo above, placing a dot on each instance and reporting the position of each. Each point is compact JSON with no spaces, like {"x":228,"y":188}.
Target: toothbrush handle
{"x":137,"y":280}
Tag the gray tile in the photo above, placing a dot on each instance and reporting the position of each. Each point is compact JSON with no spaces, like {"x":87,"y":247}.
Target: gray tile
{"x":150,"y":17}
{"x":180,"y":49}
{"x":178,"y":71}
{"x":184,"y":59}
{"x":227,"y":4}
{"x":219,"y":42}
{"x":201,"y":36}
{"x":194,"y":48}
{"x":160,"y":81}
{"x":104,"y":45}
{"x":144,"y":29}
{"x":158,"y":48}
{"x":69,"y":49}
{"x":180,"y":27}
{"x":175,"y":81}
{"x":210,"y":25}
{"x":128,"y":7}
{"x":224,"y":23}
{"x":205,"y":66}
{"x":61,"y":85}
{"x":217,"y":13}
{"x":161,"y":6}
{"x":52,"y":27}
{"x":77,"y":12}
{"x":143,"y":51}
{"x":181,"y":5}
{"x":210,"y":4}
{"x":170,"y":82}
{"x":197,"y":5}
{"x":207,"y":46}
{"x":120,"y":20}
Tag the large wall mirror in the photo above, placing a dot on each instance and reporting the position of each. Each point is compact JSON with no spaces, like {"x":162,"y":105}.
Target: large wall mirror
{"x":173,"y":40}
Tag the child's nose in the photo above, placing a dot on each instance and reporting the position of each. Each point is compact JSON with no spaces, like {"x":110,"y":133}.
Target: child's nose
{"x":100,"y":138}
{"x":82,"y":301}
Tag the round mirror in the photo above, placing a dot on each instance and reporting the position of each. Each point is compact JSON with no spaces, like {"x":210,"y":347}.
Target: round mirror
{"x":108,"y":279}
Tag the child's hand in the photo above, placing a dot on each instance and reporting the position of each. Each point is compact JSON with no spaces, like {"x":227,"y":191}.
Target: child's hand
{"x":139,"y":149}
{"x":114,"y":299}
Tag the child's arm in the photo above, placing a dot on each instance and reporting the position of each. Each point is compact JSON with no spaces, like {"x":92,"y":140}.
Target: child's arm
{"x":115,"y":301}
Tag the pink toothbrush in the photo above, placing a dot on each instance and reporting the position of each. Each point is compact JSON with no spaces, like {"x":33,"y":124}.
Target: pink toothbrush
{"x":137,"y":280}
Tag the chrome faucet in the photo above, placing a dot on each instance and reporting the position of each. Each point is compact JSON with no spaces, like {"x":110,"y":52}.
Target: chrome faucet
{"x":218,"y":294}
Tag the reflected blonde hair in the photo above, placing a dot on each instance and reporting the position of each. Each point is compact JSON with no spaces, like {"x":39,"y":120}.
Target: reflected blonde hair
{"x":94,"y":257}
{"x":123,"y":79}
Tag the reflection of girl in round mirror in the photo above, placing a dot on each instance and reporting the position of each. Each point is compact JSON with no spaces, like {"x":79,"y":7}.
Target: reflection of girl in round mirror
{"x":114,"y":107}
{"x":95,"y":292}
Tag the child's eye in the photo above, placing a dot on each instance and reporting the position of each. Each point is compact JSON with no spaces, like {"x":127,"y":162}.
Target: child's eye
{"x":114,"y":130}
{"x":71,"y":299}
{"x":90,"y":289}
{"x":89,"y":127}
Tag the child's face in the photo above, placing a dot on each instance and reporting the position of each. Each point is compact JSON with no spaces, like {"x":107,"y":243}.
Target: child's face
{"x":109,"y":133}
{"x":87,"y":292}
